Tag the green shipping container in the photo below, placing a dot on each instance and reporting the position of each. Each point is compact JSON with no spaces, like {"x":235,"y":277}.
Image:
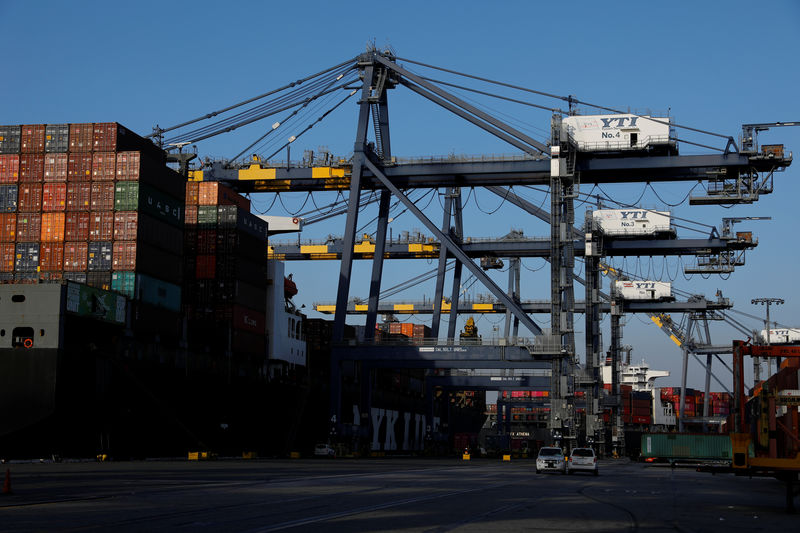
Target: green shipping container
{"x":686,"y":446}
{"x":207,"y":216}
{"x":96,"y":303}
{"x":124,"y":282}
{"x":135,"y":196}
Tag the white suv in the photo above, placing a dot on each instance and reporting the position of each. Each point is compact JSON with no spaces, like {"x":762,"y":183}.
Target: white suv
{"x":582,"y":459}
{"x":550,"y":458}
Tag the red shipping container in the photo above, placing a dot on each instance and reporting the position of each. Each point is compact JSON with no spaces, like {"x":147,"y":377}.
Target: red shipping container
{"x":101,"y":225}
{"x":52,"y":227}
{"x":79,"y":196}
{"x":8,"y":227}
{"x":7,"y":256}
{"x":76,"y":226}
{"x":52,"y":256}
{"x":641,"y":419}
{"x":31,"y":168}
{"x":190,"y":215}
{"x":206,"y":267}
{"x":126,"y":224}
{"x":76,"y":256}
{"x":81,"y":137}
{"x":54,"y":196}
{"x":29,"y":197}
{"x":207,"y":241}
{"x":104,"y":166}
{"x":103,"y":196}
{"x":9,"y":168}
{"x":79,"y":167}
{"x":55,"y":167}
{"x":32,"y":141}
{"x":192,"y":193}
{"x":29,"y":227}
{"x":248,"y":320}
{"x":216,"y":193}
{"x":124,"y":255}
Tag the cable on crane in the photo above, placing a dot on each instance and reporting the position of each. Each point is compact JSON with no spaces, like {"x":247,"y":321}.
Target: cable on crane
{"x":503,"y":201}
{"x":667,"y":203}
{"x":287,"y":210}
{"x":274,"y":198}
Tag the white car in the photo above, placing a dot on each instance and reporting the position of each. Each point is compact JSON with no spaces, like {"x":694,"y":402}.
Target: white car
{"x":324,"y":450}
{"x":550,"y":459}
{"x":582,"y":459}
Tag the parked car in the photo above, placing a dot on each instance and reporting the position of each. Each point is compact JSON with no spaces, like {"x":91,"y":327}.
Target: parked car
{"x":582,"y":459}
{"x":324,"y":450}
{"x":550,"y":459}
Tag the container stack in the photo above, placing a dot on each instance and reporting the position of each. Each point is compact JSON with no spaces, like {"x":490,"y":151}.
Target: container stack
{"x":92,"y":203}
{"x":225,"y":251}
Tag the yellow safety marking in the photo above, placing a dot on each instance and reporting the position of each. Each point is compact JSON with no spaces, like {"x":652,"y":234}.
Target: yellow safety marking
{"x":255,"y":172}
{"x":337,"y":184}
{"x":313,"y":248}
{"x":482,"y":307}
{"x":365,"y":247}
{"x":327,"y":172}
{"x":323,"y":256}
{"x":445,"y":306}
{"x":361,"y":307}
{"x":675,"y":339}
{"x":418,"y":247}
{"x":195,"y":175}
{"x":403,"y":307}
{"x":272,"y":185}
{"x":656,"y":319}
{"x":326,"y":308}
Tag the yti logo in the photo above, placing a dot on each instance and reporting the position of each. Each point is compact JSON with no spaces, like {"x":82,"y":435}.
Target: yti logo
{"x":621,"y":122}
{"x":628,"y":215}
{"x":646,"y":285}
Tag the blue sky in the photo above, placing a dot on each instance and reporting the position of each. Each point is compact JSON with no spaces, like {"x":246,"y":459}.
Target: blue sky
{"x":712,"y":65}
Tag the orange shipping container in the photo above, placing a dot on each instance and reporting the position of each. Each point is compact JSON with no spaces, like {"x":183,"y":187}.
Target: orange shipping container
{"x":55,"y":167}
{"x":215,"y":193}
{"x":29,"y":227}
{"x":8,"y":227}
{"x":29,"y":199}
{"x":125,"y":225}
{"x":192,"y":193}
{"x":32,"y":139}
{"x":124,"y":255}
{"x":76,"y":226}
{"x":52,"y":227}
{"x":103,"y":196}
{"x":79,"y":196}
{"x":79,"y":167}
{"x":31,"y":168}
{"x":54,"y":196}
{"x":101,"y":225}
{"x":76,"y":256}
{"x":7,"y":256}
{"x":9,"y":168}
{"x":52,"y":256}
{"x":190,"y":215}
{"x":104,"y":166}
{"x":81,"y":137}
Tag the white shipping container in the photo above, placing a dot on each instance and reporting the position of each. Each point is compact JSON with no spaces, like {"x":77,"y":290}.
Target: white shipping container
{"x":643,"y":290}
{"x":601,"y":133}
{"x":631,"y":222}
{"x":782,"y":336}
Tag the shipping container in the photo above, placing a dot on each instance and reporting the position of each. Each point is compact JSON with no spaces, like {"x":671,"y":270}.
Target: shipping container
{"x":55,"y":167}
{"x":159,"y":234}
{"x":79,"y":196}
{"x":114,"y":137}
{"x":206,"y":241}
{"x":239,"y":292}
{"x":81,"y":137}
{"x":135,"y":196}
{"x":124,"y":283}
{"x":104,"y":166}
{"x":52,"y":256}
{"x":241,"y":244}
{"x":8,"y":227}
{"x":79,"y":167}
{"x":76,"y":226}
{"x":100,"y":280}
{"x":54,"y":196}
{"x":101,"y":225}
{"x":30,"y":197}
{"x":207,"y":216}
{"x":206,"y":267}
{"x":234,"y":217}
{"x":32,"y":140}
{"x":56,"y":138}
{"x":192,"y":193}
{"x":27,"y":257}
{"x":77,"y":277}
{"x":29,"y":227}
{"x":9,"y":168}
{"x":102,"y":196}
{"x":216,"y":193}
{"x":52,"y":227}
{"x":99,"y":256}
{"x":191,"y":215}
{"x":31,"y":168}
{"x":7,"y":256}
{"x":76,"y":257}
{"x":631,"y":222}
{"x":158,"y":293}
{"x":152,"y":171}
{"x":10,"y":137}
{"x":235,"y":267}
{"x":8,"y":198}
{"x":124,"y":255}
{"x":686,"y":446}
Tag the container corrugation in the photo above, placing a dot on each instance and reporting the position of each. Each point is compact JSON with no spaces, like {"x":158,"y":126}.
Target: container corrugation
{"x":52,"y":227}
{"x":242,"y":318}
{"x":124,"y":282}
{"x":27,"y":257}
{"x":158,"y":293}
{"x":206,"y":267}
{"x":234,"y":217}
{"x":158,"y":263}
{"x":206,"y":241}
{"x":144,"y":168}
{"x":100,"y":280}
{"x":104,"y":166}
{"x":27,"y":276}
{"x":79,"y":196}
{"x":9,"y":168}
{"x":99,"y":256}
{"x":126,"y":224}
{"x":124,"y":255}
{"x":32,"y":139}
{"x":8,"y":227}
{"x":79,"y":167}
{"x":10,"y":137}
{"x":101,"y":225}
{"x":76,"y":226}
{"x":240,"y":292}
{"x":8,"y":198}
{"x":52,"y":256}
{"x":54,"y":196}
{"x":56,"y":138}
{"x":31,"y":168}
{"x":114,"y":137}
{"x":191,"y":215}
{"x":7,"y":256}
{"x":135,"y":196}
{"x":55,"y":167}
{"x":216,"y":193}
{"x":81,"y":137}
{"x":241,"y":244}
{"x":159,"y":234}
{"x":29,"y":227}
{"x":686,"y":446}
{"x":76,"y":256}
{"x":30,"y":197}
{"x":192,"y":193}
{"x":77,"y":277}
{"x":248,"y":342}
{"x":207,"y":216}
{"x":103,"y":196}
{"x":233,"y":267}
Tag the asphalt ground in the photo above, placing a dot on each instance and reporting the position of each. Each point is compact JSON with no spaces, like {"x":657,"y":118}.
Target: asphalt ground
{"x":382,"y":494}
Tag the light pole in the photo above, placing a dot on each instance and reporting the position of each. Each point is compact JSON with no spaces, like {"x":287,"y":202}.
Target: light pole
{"x":767,"y":302}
